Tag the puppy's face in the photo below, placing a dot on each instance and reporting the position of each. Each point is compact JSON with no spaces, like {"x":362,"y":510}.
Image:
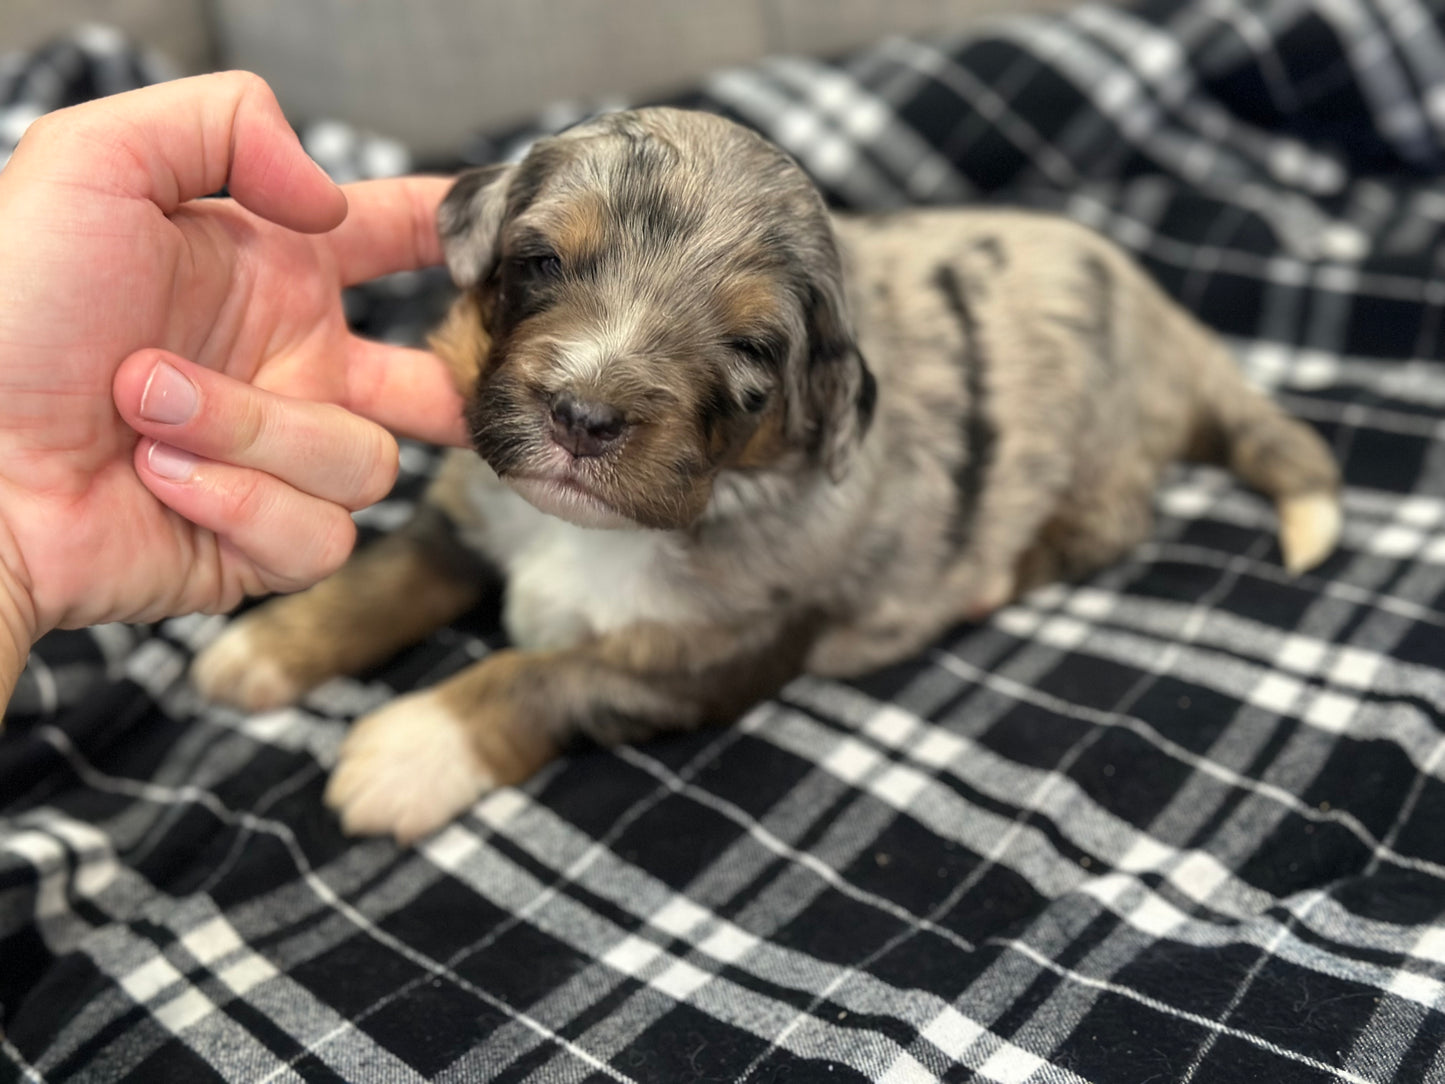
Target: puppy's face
{"x":658,"y":298}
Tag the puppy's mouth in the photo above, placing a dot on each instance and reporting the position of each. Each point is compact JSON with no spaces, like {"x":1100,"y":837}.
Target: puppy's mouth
{"x":508,"y":433}
{"x":617,"y":487}
{"x":564,"y":495}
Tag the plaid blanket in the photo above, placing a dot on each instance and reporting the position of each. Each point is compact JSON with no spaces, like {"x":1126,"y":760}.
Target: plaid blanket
{"x":1182,"y":822}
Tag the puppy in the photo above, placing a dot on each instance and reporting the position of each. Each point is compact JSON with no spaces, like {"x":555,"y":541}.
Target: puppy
{"x":692,"y":486}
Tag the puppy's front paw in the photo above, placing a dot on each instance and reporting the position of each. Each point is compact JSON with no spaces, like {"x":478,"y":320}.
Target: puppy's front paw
{"x":238,"y":669}
{"x":406,"y":770}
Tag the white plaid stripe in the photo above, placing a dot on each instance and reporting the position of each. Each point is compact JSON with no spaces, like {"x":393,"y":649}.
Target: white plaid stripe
{"x":190,"y":1007}
{"x":17,"y":1060}
{"x":1264,"y":687}
{"x":634,"y":956}
{"x":1012,"y":1062}
{"x":658,"y":969}
{"x":1158,"y":1006}
{"x":986,"y":104}
{"x":811,"y":137}
{"x":1385,"y":84}
{"x":1205,"y":767}
{"x":1291,"y":269}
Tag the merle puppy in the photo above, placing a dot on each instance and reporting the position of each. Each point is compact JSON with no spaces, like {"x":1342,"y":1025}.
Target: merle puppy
{"x":726,"y":437}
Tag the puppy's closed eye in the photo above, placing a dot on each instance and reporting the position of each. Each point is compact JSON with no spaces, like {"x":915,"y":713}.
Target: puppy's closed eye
{"x":762,"y":353}
{"x":754,"y":399}
{"x":754,"y":349}
{"x":538,"y":266}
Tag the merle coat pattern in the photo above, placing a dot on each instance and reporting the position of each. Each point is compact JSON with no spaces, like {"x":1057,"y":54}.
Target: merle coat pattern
{"x":726,"y":437}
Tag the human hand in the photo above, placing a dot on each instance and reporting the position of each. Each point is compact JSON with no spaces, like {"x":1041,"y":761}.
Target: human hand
{"x":112,"y":280}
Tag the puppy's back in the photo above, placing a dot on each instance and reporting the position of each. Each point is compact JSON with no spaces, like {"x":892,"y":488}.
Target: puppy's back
{"x":1065,"y":364}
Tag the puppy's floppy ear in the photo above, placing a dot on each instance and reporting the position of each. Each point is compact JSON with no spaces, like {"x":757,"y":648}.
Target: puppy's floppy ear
{"x":470,"y":222}
{"x":831,"y":393}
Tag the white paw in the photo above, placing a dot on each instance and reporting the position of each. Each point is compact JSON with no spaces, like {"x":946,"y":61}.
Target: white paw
{"x":1309,"y":527}
{"x":405,"y":771}
{"x":233,"y":670}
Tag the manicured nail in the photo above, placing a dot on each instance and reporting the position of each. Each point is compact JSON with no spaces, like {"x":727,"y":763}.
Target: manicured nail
{"x":170,"y":462}
{"x":169,"y":397}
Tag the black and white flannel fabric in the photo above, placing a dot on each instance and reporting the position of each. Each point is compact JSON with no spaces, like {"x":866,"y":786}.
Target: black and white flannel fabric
{"x":1182,"y":822}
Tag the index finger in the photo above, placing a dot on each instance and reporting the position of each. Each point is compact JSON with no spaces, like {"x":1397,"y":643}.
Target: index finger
{"x":317,"y":448}
{"x":390,"y":226}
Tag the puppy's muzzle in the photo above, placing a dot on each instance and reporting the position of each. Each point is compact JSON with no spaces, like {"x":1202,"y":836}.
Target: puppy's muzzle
{"x":585,"y":428}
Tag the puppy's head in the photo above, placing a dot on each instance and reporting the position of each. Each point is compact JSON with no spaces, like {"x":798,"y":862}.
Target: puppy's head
{"x":650,"y":299}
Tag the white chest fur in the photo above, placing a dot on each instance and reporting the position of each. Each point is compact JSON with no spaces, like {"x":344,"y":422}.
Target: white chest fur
{"x":566,"y":582}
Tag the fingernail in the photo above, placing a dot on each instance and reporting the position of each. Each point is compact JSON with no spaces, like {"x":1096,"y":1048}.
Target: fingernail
{"x":170,"y":462}
{"x":169,"y":397}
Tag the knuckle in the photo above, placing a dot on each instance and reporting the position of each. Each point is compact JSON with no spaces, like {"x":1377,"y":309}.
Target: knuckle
{"x":51,"y":134}
{"x":246,"y":499}
{"x":89,"y":124}
{"x":329,"y":540}
{"x":41,"y":130}
{"x":246,"y":83}
{"x":249,"y":426}
{"x":369,"y":462}
{"x":332,"y":546}
{"x":381,"y":467}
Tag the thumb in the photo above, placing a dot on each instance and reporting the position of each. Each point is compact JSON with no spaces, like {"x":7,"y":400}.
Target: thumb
{"x":185,"y":139}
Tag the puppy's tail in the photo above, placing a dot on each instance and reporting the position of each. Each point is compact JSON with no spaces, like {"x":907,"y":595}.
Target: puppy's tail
{"x":1283,"y":458}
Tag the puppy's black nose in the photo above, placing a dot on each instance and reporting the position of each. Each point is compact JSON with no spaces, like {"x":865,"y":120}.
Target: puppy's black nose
{"x":585,"y":428}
